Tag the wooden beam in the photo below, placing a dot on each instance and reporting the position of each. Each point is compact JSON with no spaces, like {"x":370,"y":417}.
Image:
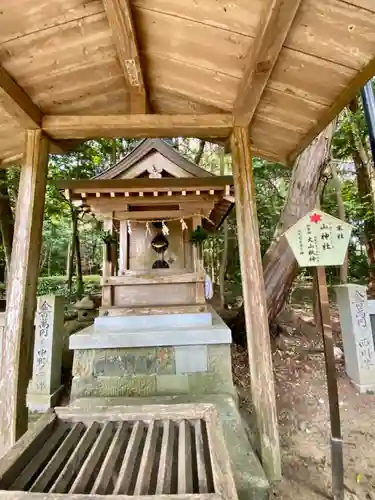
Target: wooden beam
{"x":275,"y":23}
{"x":337,"y":106}
{"x":136,"y":126}
{"x":121,"y":22}
{"x":147,"y":185}
{"x":255,"y":307}
{"x":18,"y":336}
{"x":17,"y":103}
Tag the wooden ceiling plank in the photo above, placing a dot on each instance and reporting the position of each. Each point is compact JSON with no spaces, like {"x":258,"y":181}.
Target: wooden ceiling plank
{"x":137,"y":126}
{"x":274,"y":26}
{"x":336,"y":107}
{"x":17,"y":103}
{"x":123,"y":32}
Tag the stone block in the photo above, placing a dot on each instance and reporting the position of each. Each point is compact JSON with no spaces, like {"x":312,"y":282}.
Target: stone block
{"x":83,"y":363}
{"x":220,"y":360}
{"x":357,"y":336}
{"x":165,"y":361}
{"x":172,"y":384}
{"x":48,"y":347}
{"x":122,"y":362}
{"x":191,"y":359}
{"x":209,"y":383}
{"x":139,"y":385}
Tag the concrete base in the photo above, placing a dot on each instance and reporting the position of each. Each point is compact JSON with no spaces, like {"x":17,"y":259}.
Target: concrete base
{"x":363,"y":389}
{"x":110,"y":335}
{"x":250,"y":479}
{"x":43,"y":402}
{"x":154,"y":321}
{"x":149,"y":371}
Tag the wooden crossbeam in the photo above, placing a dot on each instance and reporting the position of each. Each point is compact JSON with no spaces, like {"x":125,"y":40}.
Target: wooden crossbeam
{"x":17,"y":103}
{"x":136,"y":126}
{"x":274,"y":26}
{"x":123,"y":32}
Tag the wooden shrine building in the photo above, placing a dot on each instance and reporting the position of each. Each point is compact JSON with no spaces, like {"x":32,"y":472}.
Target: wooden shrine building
{"x":263,"y":77}
{"x":152,"y":189}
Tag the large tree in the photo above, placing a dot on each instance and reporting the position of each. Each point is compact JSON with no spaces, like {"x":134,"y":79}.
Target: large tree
{"x":279,"y":265}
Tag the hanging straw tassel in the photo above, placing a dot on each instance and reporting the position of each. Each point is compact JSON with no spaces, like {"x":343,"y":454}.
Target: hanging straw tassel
{"x":148,"y":230}
{"x":183,"y":225}
{"x":129,"y":228}
{"x":164,"y":229}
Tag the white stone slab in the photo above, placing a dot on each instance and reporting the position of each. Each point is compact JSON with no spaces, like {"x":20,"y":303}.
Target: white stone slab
{"x":154,"y":321}
{"x":191,"y":359}
{"x":357,"y":335}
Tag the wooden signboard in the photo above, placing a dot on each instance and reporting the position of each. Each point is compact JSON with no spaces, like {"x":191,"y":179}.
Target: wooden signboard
{"x":318,"y":240}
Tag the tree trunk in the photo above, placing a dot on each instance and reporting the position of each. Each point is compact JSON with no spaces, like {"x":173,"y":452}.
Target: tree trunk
{"x":78,"y":263}
{"x":341,"y":213}
{"x":366,"y":195}
{"x":224,"y":253}
{"x":279,"y":265}
{"x":80,"y":289}
{"x":72,"y":247}
{"x":200,"y":151}
{"x":6,"y":218}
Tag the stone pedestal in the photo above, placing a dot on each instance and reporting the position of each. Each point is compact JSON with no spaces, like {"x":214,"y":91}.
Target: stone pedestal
{"x":152,"y":355}
{"x":45,"y":386}
{"x":357,"y":336}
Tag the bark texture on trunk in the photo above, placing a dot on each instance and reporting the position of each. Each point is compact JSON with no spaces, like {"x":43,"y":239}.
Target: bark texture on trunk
{"x":279,"y":265}
{"x":365,"y":193}
{"x":341,"y":213}
{"x":6,"y":218}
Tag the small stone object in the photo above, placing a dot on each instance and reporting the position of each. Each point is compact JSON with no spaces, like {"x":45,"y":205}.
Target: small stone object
{"x":338,"y":353}
{"x":85,"y":303}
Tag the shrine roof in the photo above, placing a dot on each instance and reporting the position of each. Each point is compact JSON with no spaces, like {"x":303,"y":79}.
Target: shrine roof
{"x":83,"y":69}
{"x":143,"y":150}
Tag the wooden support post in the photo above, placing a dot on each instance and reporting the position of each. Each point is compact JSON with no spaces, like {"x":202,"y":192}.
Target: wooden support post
{"x":107,"y":259}
{"x":325,"y":327}
{"x":197,"y":252}
{"x":124,"y":247}
{"x":257,"y":330}
{"x":18,"y":337}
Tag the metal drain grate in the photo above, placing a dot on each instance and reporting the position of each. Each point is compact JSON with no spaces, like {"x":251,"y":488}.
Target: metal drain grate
{"x":172,"y":450}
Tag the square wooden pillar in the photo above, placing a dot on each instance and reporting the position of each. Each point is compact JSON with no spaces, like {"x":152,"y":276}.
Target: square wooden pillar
{"x":17,"y":341}
{"x":255,"y":307}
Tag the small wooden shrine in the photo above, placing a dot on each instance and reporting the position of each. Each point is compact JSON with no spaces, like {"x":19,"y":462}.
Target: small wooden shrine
{"x":155,"y":334}
{"x":151,"y":203}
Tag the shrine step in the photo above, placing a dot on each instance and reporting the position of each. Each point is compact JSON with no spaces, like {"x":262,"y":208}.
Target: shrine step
{"x":153,"y":310}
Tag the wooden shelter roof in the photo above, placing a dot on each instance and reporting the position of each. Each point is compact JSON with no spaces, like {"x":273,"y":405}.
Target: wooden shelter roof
{"x":104,"y":68}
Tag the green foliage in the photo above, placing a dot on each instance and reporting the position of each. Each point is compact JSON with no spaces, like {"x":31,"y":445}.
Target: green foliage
{"x":198,"y":236}
{"x":58,"y":285}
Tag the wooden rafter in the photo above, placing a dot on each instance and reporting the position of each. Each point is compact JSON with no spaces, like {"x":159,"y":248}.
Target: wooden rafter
{"x":121,"y":22}
{"x":274,"y":26}
{"x":337,"y":106}
{"x":17,"y":103}
{"x":137,"y":126}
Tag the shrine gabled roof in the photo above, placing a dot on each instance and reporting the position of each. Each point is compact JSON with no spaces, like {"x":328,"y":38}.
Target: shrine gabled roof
{"x":147,"y":147}
{"x":82,"y":69}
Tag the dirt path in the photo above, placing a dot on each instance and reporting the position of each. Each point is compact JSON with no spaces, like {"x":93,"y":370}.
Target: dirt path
{"x":304,"y":423}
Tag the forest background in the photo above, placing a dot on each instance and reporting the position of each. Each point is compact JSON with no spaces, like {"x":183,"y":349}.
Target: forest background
{"x":336,"y":171}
